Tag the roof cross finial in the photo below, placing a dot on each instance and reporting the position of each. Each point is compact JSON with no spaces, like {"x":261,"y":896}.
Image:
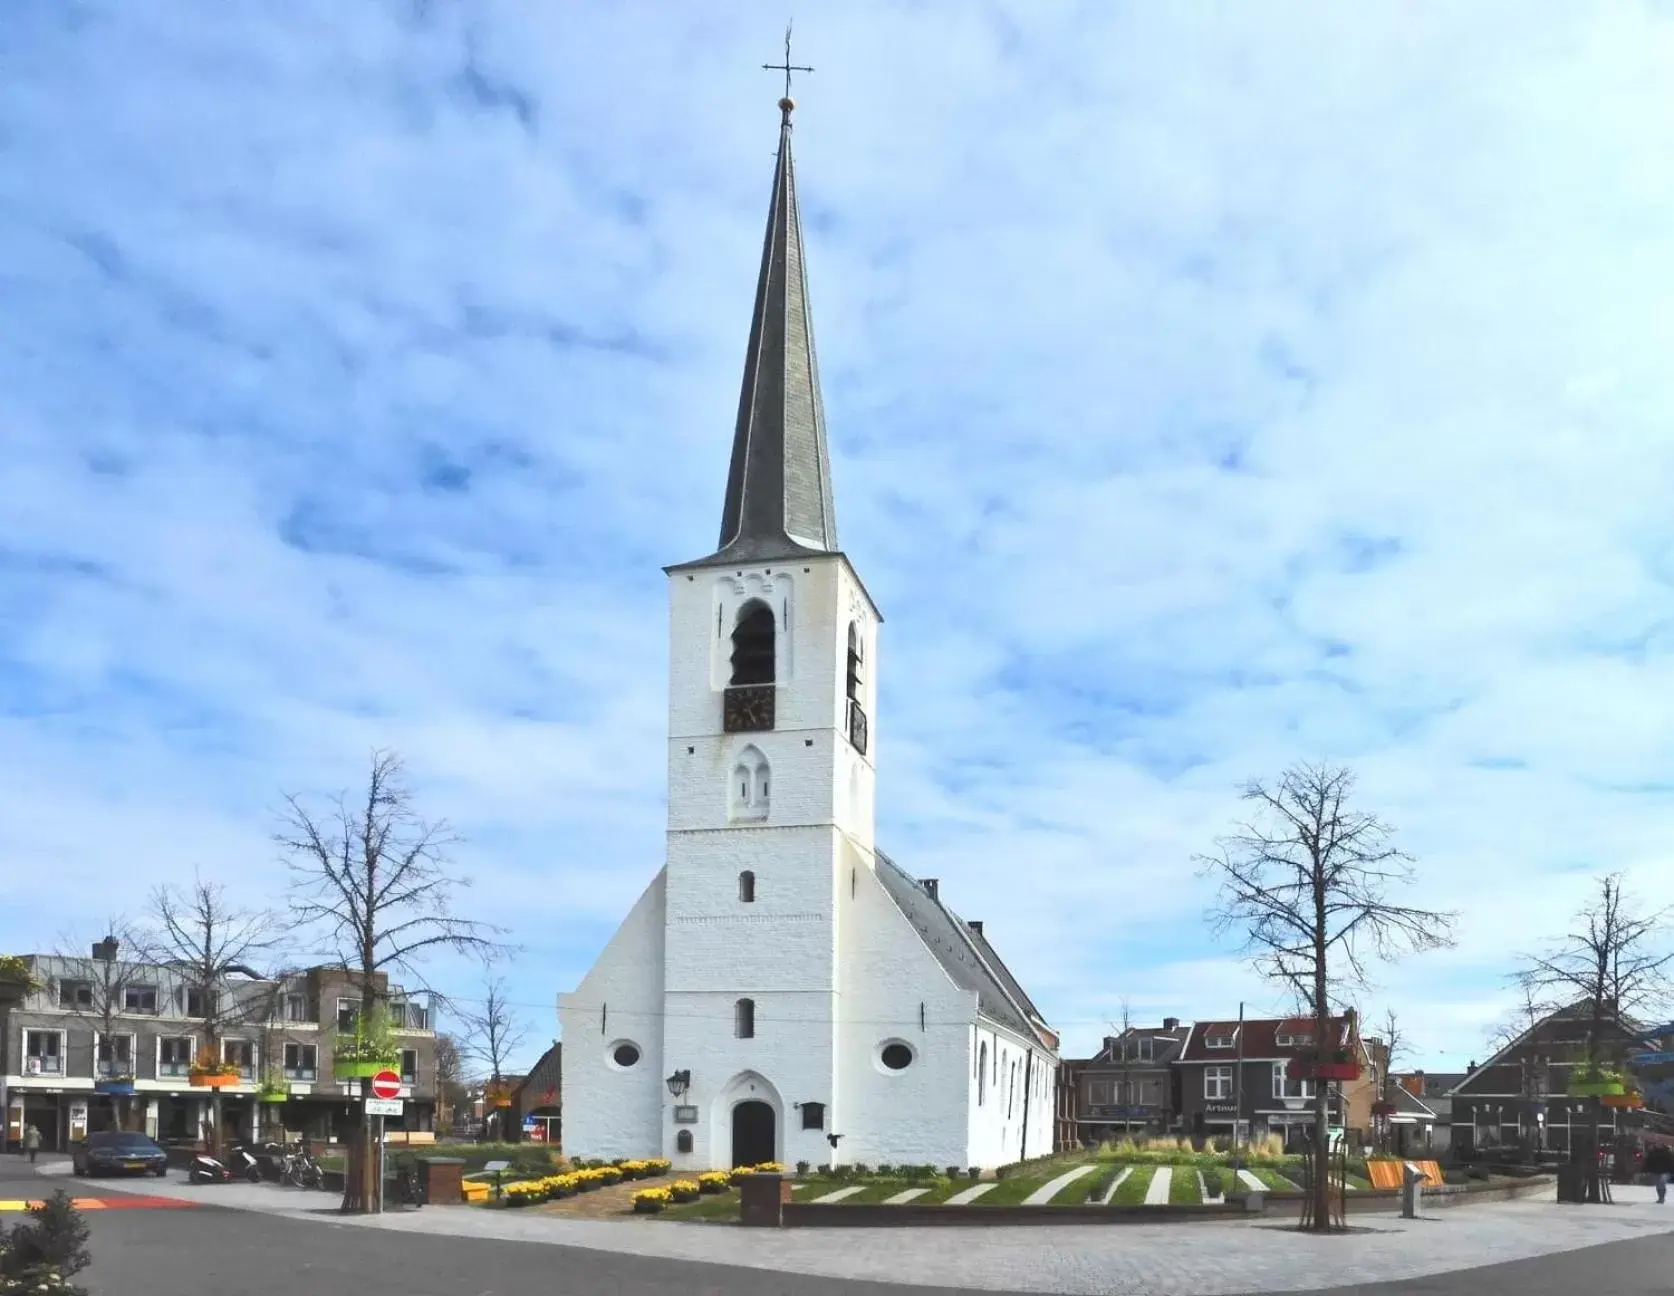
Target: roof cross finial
{"x":787,"y":67}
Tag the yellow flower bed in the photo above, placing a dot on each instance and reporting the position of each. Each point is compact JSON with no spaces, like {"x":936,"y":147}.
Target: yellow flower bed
{"x":714,"y":1181}
{"x":766,"y":1167}
{"x":648,"y":1201}
{"x":684,"y":1190}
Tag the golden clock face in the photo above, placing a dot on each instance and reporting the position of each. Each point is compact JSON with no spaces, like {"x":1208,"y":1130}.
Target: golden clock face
{"x":748,"y":708}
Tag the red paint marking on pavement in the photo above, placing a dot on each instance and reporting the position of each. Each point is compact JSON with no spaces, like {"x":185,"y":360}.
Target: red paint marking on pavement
{"x":107,"y":1203}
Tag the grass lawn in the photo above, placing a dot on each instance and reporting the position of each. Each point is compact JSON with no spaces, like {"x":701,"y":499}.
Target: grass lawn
{"x":1132,"y":1191}
{"x":1274,"y":1181}
{"x":1183,"y":1188}
{"x":711,"y":1206}
{"x":1093,"y":1187}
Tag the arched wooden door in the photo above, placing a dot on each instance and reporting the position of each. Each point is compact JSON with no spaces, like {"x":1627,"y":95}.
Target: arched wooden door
{"x":754,"y":1136}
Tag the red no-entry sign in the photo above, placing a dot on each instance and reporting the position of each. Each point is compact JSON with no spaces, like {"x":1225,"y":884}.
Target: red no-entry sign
{"x":386,"y":1084}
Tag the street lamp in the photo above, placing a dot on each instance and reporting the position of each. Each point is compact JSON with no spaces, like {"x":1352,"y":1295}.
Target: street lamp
{"x":678,"y":1083}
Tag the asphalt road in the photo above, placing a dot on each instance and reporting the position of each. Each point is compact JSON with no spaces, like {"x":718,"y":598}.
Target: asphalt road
{"x":207,"y":1251}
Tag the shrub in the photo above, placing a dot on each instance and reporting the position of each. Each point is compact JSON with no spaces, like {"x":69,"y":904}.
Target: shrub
{"x":1455,"y":1177}
{"x":953,"y":1172}
{"x":801,"y":1169}
{"x":886,"y":1169}
{"x":42,"y":1252}
{"x":823,"y":1171}
{"x":862,"y":1169}
{"x":973,"y":1172}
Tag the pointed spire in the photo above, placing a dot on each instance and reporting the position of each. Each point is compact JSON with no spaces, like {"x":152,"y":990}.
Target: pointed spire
{"x":778,"y":501}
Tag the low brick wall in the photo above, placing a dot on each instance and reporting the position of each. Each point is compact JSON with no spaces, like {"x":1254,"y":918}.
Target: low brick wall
{"x":836,"y":1214}
{"x":1446,"y":1196}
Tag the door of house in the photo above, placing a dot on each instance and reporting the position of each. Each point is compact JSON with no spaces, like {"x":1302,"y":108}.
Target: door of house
{"x":754,"y":1133}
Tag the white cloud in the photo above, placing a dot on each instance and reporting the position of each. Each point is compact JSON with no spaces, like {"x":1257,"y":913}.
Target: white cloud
{"x":1403,"y":272}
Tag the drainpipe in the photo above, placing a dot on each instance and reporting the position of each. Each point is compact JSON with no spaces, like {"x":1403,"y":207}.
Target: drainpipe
{"x":1028,"y":1070}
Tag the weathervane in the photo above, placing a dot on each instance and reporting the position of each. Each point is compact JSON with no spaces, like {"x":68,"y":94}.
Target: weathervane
{"x":787,"y":67}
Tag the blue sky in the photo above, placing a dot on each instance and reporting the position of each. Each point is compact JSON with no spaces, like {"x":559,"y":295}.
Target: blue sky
{"x":1211,"y":387}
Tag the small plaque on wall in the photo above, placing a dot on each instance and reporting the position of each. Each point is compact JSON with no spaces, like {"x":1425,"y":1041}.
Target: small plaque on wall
{"x":685,"y":1115}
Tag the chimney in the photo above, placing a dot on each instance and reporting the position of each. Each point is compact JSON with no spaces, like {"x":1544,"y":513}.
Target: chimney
{"x":930,"y":885}
{"x":1171,"y":1023}
{"x":975,"y":925}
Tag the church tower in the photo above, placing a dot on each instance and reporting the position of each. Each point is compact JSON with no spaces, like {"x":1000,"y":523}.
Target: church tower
{"x":772,"y":684}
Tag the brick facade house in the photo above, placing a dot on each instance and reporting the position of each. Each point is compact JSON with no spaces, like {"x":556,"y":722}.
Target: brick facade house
{"x":1130,"y":1087}
{"x":71,"y":1041}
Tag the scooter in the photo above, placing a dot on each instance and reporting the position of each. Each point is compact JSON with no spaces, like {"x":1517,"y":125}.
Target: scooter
{"x":240,"y":1164}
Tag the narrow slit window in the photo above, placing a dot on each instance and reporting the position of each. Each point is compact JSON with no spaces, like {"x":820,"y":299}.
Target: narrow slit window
{"x":744,"y":1019}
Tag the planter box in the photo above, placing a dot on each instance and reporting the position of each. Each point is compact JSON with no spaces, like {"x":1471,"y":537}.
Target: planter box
{"x":212,"y":1080}
{"x":348,"y":1070}
{"x":274,"y":1096}
{"x":115,"y":1088}
{"x":1596,"y":1089}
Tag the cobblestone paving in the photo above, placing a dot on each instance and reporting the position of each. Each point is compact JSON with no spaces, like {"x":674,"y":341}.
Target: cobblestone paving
{"x":1211,"y":1258}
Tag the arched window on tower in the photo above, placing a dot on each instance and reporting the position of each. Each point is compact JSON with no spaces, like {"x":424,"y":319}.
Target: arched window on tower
{"x":747,"y":887}
{"x":854,"y":708}
{"x":747,"y":797}
{"x":753,"y":644}
{"x":744,"y":1019}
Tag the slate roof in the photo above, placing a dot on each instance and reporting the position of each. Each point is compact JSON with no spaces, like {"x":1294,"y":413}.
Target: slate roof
{"x":965,"y":955}
{"x":1260,"y":1039}
{"x":779,"y":502}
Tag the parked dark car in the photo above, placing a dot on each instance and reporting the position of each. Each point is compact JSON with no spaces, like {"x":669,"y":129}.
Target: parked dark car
{"x":117,"y":1152}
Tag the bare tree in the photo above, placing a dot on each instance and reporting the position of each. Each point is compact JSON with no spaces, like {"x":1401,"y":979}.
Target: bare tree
{"x":372,"y":877}
{"x":1307,"y":883}
{"x":1518,"y":1022}
{"x":1391,"y":1044}
{"x":450,"y":1081}
{"x":492,"y":1035}
{"x":94,"y":986}
{"x":215,"y":946}
{"x":1614,"y":964}
{"x":1123,"y":1050}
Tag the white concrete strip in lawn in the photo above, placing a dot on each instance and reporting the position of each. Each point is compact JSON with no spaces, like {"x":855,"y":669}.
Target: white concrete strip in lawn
{"x":839,"y":1194}
{"x":1203,"y":1191}
{"x":902,"y":1198}
{"x":1110,"y":1192}
{"x":1251,"y":1182}
{"x":1156,"y":1192}
{"x":966,"y":1196}
{"x":1052,"y":1187}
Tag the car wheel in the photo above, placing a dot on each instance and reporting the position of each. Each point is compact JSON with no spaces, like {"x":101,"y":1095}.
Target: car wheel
{"x":161,"y":1171}
{"x":78,"y":1169}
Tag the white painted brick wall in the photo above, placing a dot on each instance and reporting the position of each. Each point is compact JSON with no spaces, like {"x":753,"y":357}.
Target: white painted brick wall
{"x":609,"y":1112}
{"x":833,"y":967}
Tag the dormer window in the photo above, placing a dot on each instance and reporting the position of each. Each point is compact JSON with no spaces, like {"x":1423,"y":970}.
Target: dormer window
{"x":1300,"y":1039}
{"x":1219,"y":1039}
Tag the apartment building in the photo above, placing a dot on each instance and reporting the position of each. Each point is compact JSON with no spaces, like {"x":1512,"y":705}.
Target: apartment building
{"x":101,"y":1042}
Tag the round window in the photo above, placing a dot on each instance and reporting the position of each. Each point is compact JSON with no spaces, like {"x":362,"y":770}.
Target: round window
{"x":897,"y":1057}
{"x":625,"y":1055}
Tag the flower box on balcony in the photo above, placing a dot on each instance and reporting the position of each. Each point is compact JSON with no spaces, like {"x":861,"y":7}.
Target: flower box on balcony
{"x":361,"y":1068}
{"x":213,"y":1079}
{"x":1595,"y":1082}
{"x":1625,"y":1100}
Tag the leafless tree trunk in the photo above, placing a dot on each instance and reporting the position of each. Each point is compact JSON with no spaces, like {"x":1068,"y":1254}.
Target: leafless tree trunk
{"x":1616,"y":963}
{"x":492,"y":1035}
{"x":1306,"y":882}
{"x":209,"y":940}
{"x":372,"y":876}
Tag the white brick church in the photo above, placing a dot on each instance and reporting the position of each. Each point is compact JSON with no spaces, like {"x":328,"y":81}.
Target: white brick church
{"x":782,"y":990}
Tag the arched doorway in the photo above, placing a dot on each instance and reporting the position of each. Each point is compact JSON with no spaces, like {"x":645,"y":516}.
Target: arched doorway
{"x":754,"y":1138}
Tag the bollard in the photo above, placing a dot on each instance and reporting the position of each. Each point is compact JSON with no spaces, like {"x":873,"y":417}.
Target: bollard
{"x":1412,"y":1180}
{"x":761,"y":1200}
